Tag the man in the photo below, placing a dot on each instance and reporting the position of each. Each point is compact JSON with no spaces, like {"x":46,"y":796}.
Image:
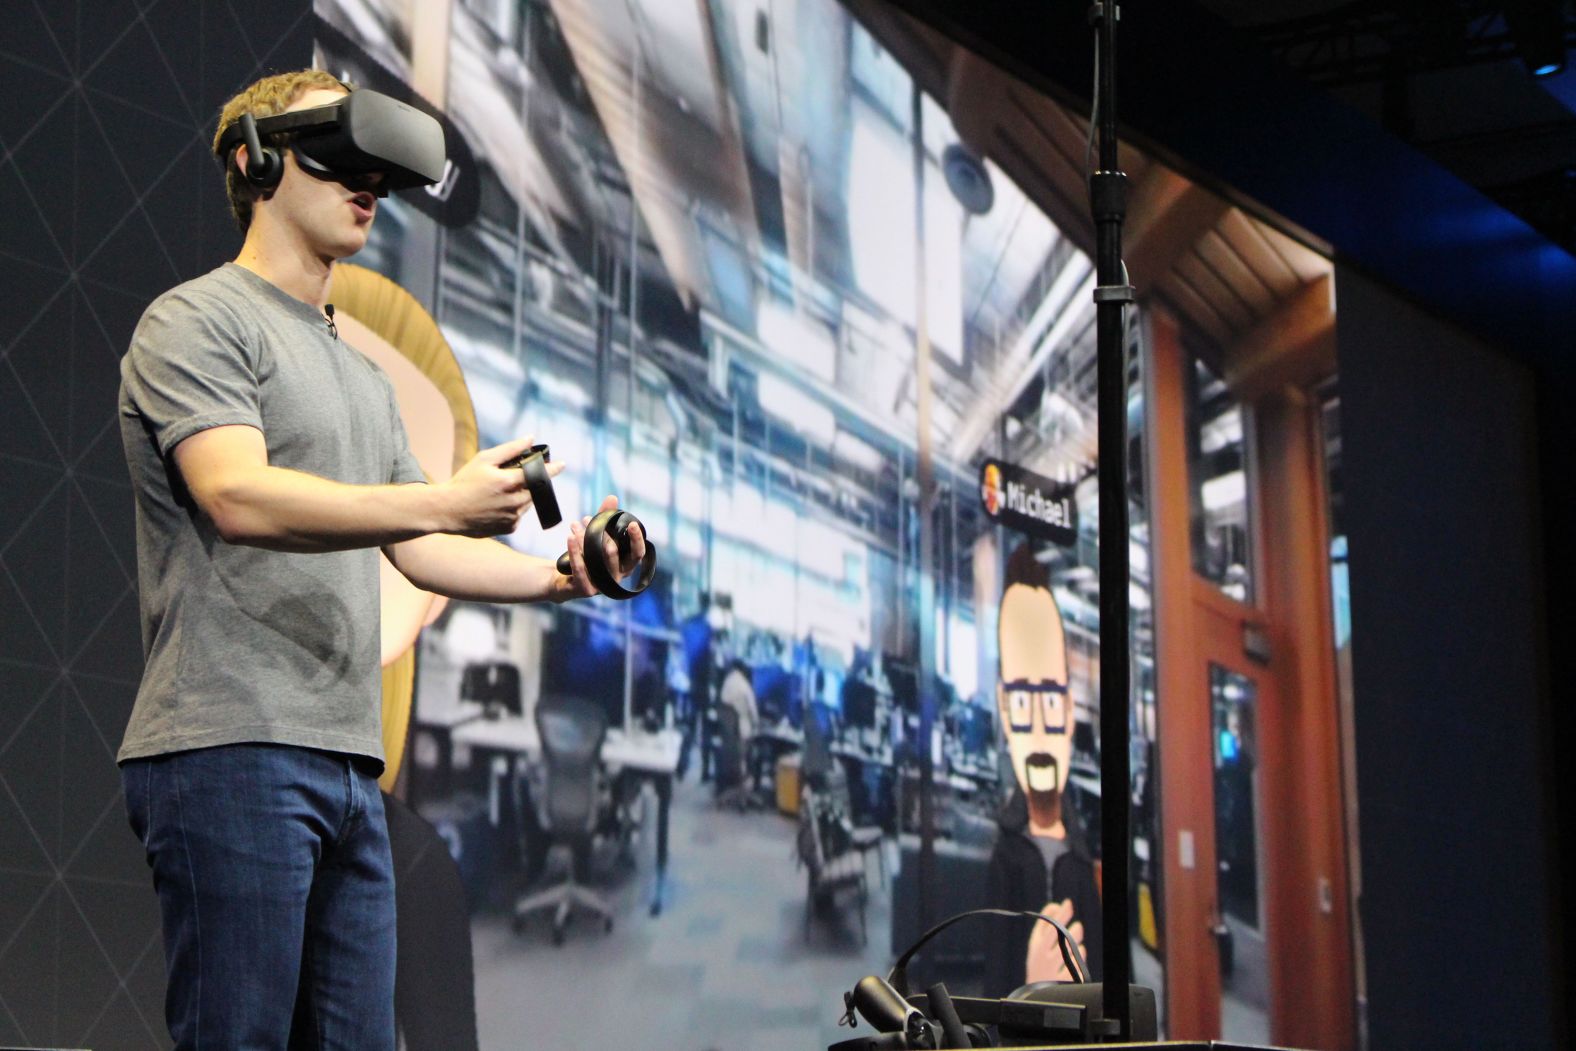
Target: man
{"x":1040,"y":862}
{"x":270,"y":466}
{"x":738,"y":692}
{"x":697,"y":635}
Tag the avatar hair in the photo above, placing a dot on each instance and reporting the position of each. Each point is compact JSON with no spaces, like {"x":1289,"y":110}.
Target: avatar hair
{"x":1024,"y":568}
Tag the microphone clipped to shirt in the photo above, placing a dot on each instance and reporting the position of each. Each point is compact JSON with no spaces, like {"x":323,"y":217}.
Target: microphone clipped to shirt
{"x":328,"y":315}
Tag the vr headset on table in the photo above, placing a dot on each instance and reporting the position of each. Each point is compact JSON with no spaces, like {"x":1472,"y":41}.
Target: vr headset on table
{"x":1036,"y":1015}
{"x":362,"y":134}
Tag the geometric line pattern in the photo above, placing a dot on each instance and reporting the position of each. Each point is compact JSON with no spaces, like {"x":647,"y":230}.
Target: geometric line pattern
{"x":109,"y":197}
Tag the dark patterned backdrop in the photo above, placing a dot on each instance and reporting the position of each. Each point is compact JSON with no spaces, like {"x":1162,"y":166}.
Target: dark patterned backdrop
{"x":107,"y":197}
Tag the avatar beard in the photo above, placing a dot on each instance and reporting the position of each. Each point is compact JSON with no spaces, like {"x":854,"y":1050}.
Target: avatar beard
{"x":1042,"y":789}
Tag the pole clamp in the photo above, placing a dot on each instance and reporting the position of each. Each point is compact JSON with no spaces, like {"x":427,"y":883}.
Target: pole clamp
{"x":1108,"y":195}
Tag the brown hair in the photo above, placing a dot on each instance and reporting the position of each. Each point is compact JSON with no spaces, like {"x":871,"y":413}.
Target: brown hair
{"x":265,"y":98}
{"x":1024,"y":568}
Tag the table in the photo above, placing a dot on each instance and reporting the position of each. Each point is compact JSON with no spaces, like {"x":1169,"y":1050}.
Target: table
{"x":652,"y":757}
{"x":781,"y":733}
{"x":879,"y":756}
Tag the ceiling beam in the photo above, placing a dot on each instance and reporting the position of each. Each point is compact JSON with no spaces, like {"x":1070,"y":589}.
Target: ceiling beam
{"x":1294,"y":346}
{"x":1169,"y":215}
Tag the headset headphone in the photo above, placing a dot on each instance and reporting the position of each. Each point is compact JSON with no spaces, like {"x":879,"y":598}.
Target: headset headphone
{"x":1038,"y":1014}
{"x":265,"y":166}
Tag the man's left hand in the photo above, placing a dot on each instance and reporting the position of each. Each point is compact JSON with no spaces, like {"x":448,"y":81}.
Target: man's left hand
{"x":1045,"y":962}
{"x":580,"y":579}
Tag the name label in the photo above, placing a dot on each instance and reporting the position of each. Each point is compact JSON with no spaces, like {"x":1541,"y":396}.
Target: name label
{"x":1030,"y":503}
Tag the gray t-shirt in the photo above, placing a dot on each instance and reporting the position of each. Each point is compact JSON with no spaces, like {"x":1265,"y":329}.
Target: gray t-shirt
{"x":244,"y":644}
{"x":1051,"y":850}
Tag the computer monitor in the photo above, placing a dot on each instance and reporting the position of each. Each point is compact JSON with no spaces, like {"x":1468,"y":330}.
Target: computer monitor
{"x":492,"y":684}
{"x":976,"y":730}
{"x":831,"y":688}
{"x":1083,"y":740}
{"x":905,"y":685}
{"x":859,"y":704}
{"x":772,"y":691}
{"x":824,"y":718}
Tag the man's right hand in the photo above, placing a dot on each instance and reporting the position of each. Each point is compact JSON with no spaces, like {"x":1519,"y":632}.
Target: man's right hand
{"x":485,"y":500}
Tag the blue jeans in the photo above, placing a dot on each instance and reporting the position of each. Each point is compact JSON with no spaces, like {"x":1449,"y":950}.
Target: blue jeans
{"x":273,"y":873}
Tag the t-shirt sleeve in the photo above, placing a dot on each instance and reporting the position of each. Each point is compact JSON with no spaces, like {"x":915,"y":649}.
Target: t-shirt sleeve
{"x":403,"y":466}
{"x":190,"y":367}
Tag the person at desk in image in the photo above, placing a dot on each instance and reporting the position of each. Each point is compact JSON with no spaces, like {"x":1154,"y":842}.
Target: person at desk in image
{"x":269,"y":465}
{"x":1041,"y":861}
{"x":738,"y":693}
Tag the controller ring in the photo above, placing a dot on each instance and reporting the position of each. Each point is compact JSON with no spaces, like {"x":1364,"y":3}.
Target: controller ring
{"x":616,"y":524}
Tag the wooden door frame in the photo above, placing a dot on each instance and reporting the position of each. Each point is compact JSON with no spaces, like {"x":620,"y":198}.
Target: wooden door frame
{"x":1307,"y":918}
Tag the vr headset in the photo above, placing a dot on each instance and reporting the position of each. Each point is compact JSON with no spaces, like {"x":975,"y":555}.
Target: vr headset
{"x":361,"y":134}
{"x":1036,"y":1015}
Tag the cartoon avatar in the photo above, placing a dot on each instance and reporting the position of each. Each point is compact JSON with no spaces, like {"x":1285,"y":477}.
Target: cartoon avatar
{"x":1040,"y":862}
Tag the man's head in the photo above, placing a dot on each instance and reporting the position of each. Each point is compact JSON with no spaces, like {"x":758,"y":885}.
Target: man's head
{"x":1031,"y":692}
{"x":332,"y":216}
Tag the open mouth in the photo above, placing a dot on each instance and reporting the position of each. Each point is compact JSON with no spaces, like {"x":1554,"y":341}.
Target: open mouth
{"x":365,"y":204}
{"x":1043,"y":774}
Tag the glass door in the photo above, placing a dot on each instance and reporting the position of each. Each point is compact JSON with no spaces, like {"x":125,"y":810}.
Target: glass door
{"x":1234,"y":700}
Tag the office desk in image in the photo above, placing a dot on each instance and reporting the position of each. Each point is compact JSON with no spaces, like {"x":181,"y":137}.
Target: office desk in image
{"x":873,"y":755}
{"x":653,"y":757}
{"x":781,"y":734}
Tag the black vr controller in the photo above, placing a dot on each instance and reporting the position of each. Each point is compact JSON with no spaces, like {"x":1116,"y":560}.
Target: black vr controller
{"x":538,"y":483}
{"x":605,"y":524}
{"x":1035,"y":1015}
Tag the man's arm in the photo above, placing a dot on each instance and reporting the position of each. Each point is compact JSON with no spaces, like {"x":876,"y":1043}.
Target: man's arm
{"x":473,"y":570}
{"x":484,"y":571}
{"x":226,"y":470}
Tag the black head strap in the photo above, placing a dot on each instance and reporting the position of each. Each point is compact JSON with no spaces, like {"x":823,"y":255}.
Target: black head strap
{"x":293,"y":120}
{"x":1072,"y":955}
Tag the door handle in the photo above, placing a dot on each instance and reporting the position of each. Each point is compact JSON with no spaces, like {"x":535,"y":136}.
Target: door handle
{"x":1225,"y":943}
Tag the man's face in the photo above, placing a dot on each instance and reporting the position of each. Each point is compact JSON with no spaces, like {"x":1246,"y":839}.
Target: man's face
{"x":330,"y":216}
{"x":1031,"y":696}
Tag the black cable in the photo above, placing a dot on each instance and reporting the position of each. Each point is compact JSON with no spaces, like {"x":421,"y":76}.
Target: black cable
{"x":1072,"y":953}
{"x":1094,"y":112}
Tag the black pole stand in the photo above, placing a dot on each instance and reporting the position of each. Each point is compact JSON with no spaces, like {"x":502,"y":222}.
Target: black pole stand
{"x":1108,"y":203}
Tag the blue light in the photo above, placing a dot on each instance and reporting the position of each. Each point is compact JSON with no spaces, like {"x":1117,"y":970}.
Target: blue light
{"x":1548,"y":68}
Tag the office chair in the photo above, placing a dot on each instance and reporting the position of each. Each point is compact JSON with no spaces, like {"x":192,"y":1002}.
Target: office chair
{"x":571,"y":733}
{"x":832,"y":863}
{"x":863,"y":839}
{"x":823,"y":774}
{"x":816,"y":766}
